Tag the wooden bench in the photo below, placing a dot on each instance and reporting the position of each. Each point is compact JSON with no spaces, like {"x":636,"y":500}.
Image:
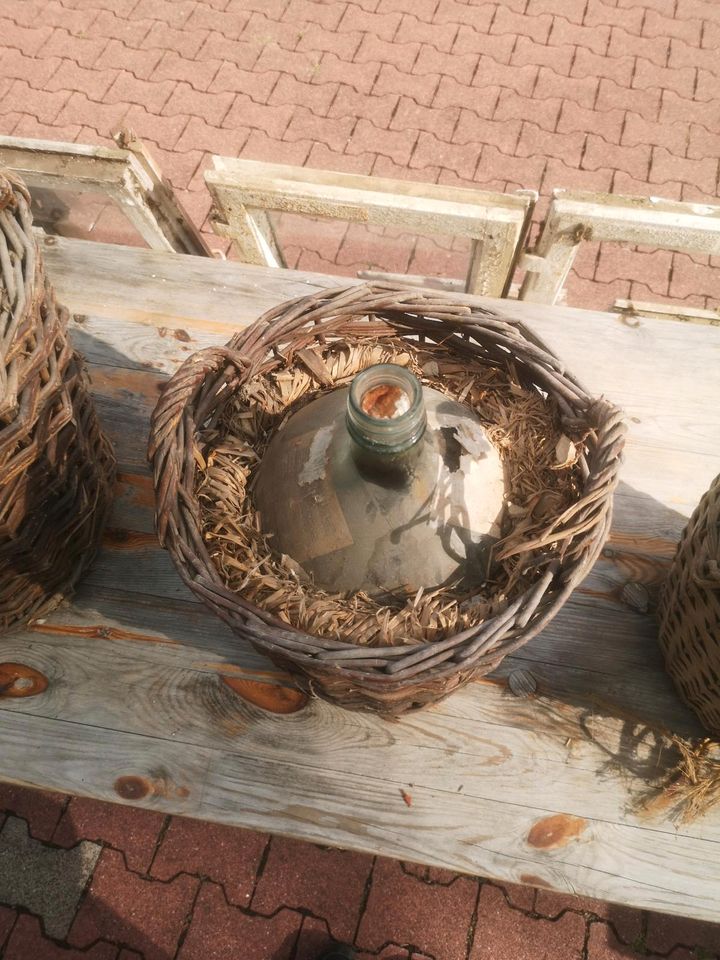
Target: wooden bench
{"x":152,"y":701}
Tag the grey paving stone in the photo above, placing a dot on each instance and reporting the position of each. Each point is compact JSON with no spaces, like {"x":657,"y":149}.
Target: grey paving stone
{"x":46,"y":881}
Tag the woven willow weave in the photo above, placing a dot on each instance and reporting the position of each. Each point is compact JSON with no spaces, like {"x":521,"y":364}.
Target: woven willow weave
{"x":56,"y":467}
{"x":690,"y":612}
{"x":389,"y":680}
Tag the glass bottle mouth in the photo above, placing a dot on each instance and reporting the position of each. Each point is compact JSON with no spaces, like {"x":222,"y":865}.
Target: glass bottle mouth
{"x":385,"y":409}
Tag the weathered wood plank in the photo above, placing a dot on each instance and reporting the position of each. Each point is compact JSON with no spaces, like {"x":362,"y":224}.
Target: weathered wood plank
{"x":182,"y":703}
{"x":618,"y":862}
{"x":491,"y":837}
{"x":161,"y":624}
{"x":168,"y":718}
{"x":218,"y":297}
{"x":157,"y":627}
{"x":87,"y":760}
{"x":156,"y":288}
{"x":150,"y":287}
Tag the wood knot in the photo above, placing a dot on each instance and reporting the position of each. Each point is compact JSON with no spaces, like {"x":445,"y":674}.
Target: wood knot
{"x":268,"y":696}
{"x":556,"y":831}
{"x":532,"y":880}
{"x":158,"y":784}
{"x":132,"y":788}
{"x":19,"y":680}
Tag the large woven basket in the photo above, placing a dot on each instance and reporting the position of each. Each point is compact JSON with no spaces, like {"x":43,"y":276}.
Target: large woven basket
{"x":393,"y":679}
{"x":690,"y":611}
{"x":56,"y":467}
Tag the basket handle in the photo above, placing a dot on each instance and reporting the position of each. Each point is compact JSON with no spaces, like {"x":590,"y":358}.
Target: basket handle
{"x":168,"y":418}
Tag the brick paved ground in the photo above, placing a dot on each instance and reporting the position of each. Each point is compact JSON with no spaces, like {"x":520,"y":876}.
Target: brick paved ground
{"x":136,"y":884}
{"x":619,"y":95}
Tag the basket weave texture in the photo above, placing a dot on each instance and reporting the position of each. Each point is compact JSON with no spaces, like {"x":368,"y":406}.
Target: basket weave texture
{"x":388,"y":680}
{"x":56,"y":467}
{"x":690,"y":611}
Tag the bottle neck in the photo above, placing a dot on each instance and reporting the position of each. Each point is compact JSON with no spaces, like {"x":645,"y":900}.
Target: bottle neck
{"x":386,"y":416}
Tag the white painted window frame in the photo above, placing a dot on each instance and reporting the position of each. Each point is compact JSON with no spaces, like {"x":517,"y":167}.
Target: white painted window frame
{"x":575,"y":216}
{"x":127,"y":174}
{"x":243,"y":192}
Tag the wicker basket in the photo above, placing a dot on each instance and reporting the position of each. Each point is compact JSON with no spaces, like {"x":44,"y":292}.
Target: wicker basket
{"x":690,"y":612}
{"x":56,"y":468}
{"x":389,"y":680}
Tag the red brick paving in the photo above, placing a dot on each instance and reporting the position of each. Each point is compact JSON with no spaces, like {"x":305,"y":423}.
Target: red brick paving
{"x":664,"y":932}
{"x":433,"y":918}
{"x":7,"y":919}
{"x":27,"y":942}
{"x":328,"y":883}
{"x":41,"y":809}
{"x":225,"y":855}
{"x":135,"y":832}
{"x":314,"y":938}
{"x":626,"y":922}
{"x":602,"y":944}
{"x":502,"y":934}
{"x":219,"y":930}
{"x":302,"y":895}
{"x":146,"y":915}
{"x":619,"y":95}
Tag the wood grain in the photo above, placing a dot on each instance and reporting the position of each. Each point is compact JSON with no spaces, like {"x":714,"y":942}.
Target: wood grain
{"x":151,"y":701}
{"x":200,"y":707}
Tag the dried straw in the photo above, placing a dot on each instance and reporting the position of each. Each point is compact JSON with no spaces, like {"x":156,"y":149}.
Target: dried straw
{"x":691,"y":788}
{"x":680,"y":776}
{"x":543,"y":481}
